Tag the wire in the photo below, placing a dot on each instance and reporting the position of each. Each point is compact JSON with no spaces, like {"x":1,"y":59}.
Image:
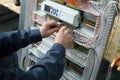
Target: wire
{"x":110,"y":42}
{"x":108,"y":73}
{"x":28,"y":9}
{"x":93,"y":51}
{"x":89,"y":41}
{"x":97,"y":32}
{"x":96,"y":9}
{"x":103,"y":22}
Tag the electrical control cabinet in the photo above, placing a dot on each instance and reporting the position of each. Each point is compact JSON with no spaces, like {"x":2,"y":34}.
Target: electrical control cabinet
{"x":90,"y":21}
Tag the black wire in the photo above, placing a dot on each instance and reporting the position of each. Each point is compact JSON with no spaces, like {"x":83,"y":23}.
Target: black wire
{"x":108,"y":73}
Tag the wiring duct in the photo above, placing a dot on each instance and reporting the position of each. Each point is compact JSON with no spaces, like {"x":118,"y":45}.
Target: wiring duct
{"x":115,"y":3}
{"x":100,"y":34}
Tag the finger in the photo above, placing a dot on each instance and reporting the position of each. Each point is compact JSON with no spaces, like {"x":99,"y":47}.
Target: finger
{"x":64,"y":28}
{"x":50,"y":24}
{"x":67,"y":31}
{"x":71,"y":38}
{"x":118,"y":69}
{"x":115,"y":61}
{"x":54,"y":24}
{"x":54,"y":30}
{"x":60,"y":24}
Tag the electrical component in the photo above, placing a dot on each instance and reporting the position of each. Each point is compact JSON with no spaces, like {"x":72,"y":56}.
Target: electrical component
{"x":62,"y":12}
{"x":81,"y":38}
{"x":69,"y":74}
{"x":79,"y":4}
{"x":39,"y":17}
{"x":77,"y":57}
{"x":90,"y":31}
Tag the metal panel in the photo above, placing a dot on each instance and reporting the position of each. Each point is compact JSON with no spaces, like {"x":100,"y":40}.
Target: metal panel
{"x":25,"y":22}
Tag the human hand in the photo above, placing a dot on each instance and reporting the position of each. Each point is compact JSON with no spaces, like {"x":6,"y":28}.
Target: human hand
{"x":49,"y":28}
{"x":63,"y":37}
{"x":115,"y":61}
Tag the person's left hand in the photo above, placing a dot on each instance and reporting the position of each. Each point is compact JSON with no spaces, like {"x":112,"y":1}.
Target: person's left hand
{"x":49,"y":28}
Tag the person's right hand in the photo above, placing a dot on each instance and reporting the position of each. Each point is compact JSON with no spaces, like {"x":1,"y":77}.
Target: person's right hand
{"x":63,"y":37}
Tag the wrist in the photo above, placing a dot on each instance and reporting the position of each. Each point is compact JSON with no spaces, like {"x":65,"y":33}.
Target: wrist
{"x":36,"y":35}
{"x":60,"y":44}
{"x":42,"y":33}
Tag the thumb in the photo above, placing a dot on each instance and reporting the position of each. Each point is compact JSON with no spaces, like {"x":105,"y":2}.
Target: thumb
{"x":118,"y":69}
{"x":54,"y":30}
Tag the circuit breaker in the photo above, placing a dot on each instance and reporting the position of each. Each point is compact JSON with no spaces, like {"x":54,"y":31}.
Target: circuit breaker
{"x":90,"y":21}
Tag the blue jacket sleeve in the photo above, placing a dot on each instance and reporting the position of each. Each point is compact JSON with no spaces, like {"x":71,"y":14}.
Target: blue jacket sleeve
{"x":49,"y":68}
{"x":14,"y":40}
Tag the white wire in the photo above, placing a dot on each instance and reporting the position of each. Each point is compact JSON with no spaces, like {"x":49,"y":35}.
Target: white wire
{"x":103,"y":22}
